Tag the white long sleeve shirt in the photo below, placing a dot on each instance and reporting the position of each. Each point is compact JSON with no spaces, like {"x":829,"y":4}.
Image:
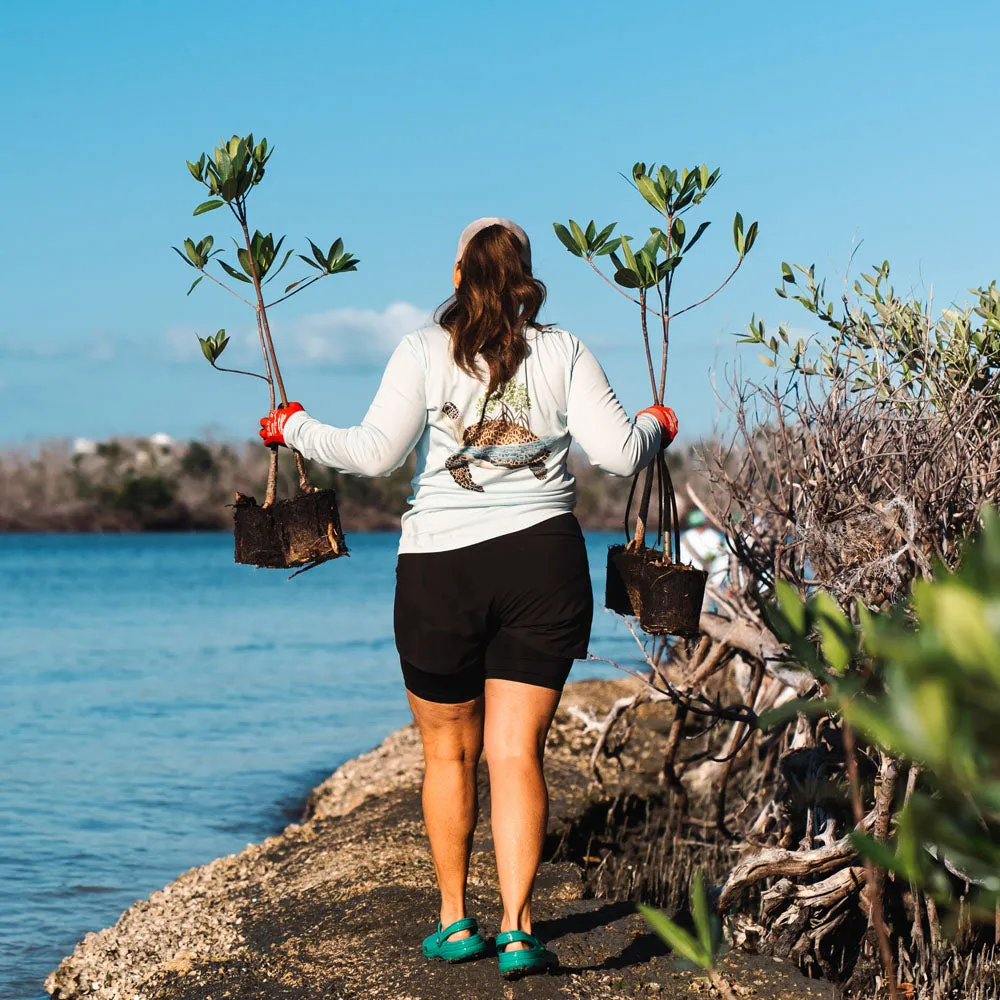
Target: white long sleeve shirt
{"x":483,"y":474}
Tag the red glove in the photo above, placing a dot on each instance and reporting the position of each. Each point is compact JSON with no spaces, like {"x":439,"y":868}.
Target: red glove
{"x":667,"y":420}
{"x":272,"y":427}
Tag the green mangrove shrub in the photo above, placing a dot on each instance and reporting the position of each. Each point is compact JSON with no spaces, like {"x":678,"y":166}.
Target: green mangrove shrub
{"x":666,"y":594}
{"x":921,"y":684}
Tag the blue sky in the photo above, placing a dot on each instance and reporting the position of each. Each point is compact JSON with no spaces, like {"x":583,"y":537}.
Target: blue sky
{"x":395,"y":124}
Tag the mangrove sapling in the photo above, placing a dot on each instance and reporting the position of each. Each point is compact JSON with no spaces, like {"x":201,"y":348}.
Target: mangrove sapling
{"x":666,"y":595}
{"x":702,"y":950}
{"x":663,"y":592}
{"x":305,"y":530}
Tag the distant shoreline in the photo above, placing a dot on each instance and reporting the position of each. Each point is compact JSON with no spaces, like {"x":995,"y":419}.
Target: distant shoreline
{"x":138,"y":486}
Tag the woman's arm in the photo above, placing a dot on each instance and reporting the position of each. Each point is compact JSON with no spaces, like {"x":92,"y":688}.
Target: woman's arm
{"x":600,"y":425}
{"x":390,"y":430}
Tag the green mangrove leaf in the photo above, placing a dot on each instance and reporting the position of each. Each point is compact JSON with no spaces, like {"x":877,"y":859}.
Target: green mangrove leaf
{"x":566,"y":239}
{"x":601,"y":238}
{"x":578,"y":236}
{"x":791,"y":605}
{"x":609,"y":248}
{"x":697,"y":235}
{"x":233,"y":273}
{"x":319,"y":255}
{"x":836,"y":632}
{"x":183,"y":257}
{"x":700,"y":912}
{"x":882,"y":855}
{"x":208,"y":206}
{"x":245,"y":261}
{"x":676,"y":937}
{"x":648,"y":189}
{"x":207,"y":348}
{"x":629,"y":256}
{"x":628,"y":278}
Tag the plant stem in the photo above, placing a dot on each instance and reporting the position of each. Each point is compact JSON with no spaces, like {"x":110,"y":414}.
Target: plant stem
{"x":221,"y":284}
{"x":665,"y":309}
{"x":267,"y":358}
{"x":267,"y":347}
{"x":605,"y":278}
{"x":711,"y":295}
{"x":301,"y":288}
{"x":272,"y":476}
{"x":272,"y":467}
{"x":639,"y":538}
{"x":265,"y":331}
{"x":871,"y":875}
{"x":645,"y":341}
{"x":261,"y":310}
{"x":239,"y":371}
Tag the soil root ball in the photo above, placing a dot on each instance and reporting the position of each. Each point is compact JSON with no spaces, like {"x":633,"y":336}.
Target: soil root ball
{"x":302,"y":531}
{"x":667,"y":597}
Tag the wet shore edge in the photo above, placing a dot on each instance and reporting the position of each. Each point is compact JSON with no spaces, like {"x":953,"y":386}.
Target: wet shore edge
{"x":337,"y":903}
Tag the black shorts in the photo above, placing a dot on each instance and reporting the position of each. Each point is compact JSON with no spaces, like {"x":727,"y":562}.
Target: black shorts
{"x":516,"y":607}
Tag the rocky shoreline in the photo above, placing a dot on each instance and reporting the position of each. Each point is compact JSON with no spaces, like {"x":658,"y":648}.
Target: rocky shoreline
{"x":336,"y":904}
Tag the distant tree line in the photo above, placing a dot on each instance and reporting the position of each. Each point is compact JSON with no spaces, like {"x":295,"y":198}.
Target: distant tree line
{"x":142,"y":484}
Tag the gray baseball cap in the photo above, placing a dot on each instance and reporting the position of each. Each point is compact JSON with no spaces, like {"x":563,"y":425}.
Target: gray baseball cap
{"x":480,"y":224}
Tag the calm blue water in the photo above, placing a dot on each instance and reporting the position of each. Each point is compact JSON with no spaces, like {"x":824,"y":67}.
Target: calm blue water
{"x":161,"y":706}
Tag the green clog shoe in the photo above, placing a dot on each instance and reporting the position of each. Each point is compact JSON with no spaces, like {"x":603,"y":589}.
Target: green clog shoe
{"x":438,"y":946}
{"x":523,"y":961}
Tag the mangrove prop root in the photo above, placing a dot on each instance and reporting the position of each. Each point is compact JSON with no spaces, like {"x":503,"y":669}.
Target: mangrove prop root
{"x":778,"y":862}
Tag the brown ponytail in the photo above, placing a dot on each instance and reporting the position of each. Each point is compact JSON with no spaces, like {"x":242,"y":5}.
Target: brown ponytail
{"x":496,"y":299}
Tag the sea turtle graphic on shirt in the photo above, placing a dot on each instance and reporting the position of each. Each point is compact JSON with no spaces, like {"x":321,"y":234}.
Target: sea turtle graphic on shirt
{"x":504,"y":440}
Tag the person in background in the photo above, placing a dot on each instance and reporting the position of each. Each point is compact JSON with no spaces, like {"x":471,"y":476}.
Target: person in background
{"x":705,"y":547}
{"x":493,"y":596}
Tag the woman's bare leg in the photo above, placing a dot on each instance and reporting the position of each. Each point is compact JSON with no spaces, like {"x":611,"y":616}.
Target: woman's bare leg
{"x":452,"y":736}
{"x":518,"y":717}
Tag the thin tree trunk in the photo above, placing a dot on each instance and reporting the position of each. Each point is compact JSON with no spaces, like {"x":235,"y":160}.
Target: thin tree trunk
{"x":871,"y":874}
{"x":269,"y":353}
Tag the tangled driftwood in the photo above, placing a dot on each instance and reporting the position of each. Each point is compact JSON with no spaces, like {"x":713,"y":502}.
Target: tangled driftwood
{"x":857,"y":486}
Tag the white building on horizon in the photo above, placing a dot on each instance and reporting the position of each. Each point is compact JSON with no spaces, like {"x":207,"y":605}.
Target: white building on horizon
{"x":84,"y":446}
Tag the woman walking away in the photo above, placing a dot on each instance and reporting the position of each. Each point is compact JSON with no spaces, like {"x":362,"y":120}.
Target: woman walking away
{"x":493,"y":596}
